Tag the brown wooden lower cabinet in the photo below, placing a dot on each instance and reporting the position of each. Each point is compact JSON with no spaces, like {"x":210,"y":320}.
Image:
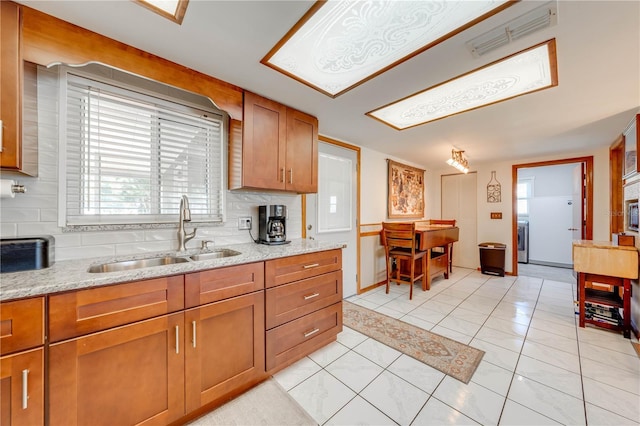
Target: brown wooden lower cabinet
{"x":302,"y":336}
{"x":225,"y":348}
{"x":159,"y":370}
{"x":22,"y":388}
{"x":128,"y":375}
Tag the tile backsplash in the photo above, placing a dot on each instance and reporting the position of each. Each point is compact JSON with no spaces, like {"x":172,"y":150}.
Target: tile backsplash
{"x":36,"y":211}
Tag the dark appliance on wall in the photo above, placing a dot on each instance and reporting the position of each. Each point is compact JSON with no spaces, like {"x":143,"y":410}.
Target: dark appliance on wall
{"x":523,"y":241}
{"x":633,"y":222}
{"x":272,"y":224}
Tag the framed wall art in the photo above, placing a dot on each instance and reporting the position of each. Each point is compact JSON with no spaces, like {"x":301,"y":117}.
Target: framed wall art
{"x":631,"y":142}
{"x":406,"y":191}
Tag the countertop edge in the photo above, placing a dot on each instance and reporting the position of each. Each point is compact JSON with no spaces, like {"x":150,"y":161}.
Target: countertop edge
{"x":73,"y":274}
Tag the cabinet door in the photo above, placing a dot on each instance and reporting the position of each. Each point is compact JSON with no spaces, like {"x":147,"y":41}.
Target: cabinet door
{"x":22,"y":388}
{"x":225,"y":348}
{"x":264,"y":140}
{"x":302,"y":152}
{"x":10,"y":85}
{"x":128,"y":375}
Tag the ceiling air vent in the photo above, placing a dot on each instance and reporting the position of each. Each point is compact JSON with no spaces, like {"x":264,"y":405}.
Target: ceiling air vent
{"x":535,"y":20}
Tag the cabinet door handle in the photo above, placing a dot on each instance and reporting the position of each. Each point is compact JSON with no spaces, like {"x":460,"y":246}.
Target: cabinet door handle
{"x":177,"y":339}
{"x":291,"y":175}
{"x":25,"y":388}
{"x":311,"y":333}
{"x":313,"y":265}
{"x":193,"y":339}
{"x":282,"y":174}
{"x":311,"y":296}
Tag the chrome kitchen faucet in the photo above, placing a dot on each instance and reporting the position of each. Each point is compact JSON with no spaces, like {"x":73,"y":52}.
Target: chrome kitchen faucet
{"x":185,"y":216}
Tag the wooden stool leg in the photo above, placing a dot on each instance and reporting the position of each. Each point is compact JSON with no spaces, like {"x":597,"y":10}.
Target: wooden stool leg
{"x":626,"y":309}
{"x":581,"y":290}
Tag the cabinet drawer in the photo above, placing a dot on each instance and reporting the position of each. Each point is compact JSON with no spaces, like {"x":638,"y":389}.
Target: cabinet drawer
{"x":297,"y":338}
{"x":438,"y":264}
{"x":86,"y":311}
{"x":293,"y":268}
{"x":290,"y":301}
{"x":21,"y":325}
{"x":217,"y":284}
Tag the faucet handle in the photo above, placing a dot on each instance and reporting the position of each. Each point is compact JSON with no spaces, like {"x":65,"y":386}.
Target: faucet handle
{"x":205,"y":244}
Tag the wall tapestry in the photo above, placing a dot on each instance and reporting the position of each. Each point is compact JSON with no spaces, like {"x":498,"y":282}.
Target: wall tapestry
{"x":494,"y":190}
{"x":406,"y":191}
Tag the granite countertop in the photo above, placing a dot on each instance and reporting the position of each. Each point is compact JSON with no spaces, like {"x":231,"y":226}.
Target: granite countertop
{"x":73,"y":274}
{"x":602,"y":245}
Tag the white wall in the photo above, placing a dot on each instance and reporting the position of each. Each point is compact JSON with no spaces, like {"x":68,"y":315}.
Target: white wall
{"x":36,"y":212}
{"x":501,"y":230}
{"x":373,"y":210}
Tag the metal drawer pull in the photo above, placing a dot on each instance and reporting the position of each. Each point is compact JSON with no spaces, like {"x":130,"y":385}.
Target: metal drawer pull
{"x":282,"y":174}
{"x":290,"y":175}
{"x":311,"y":333}
{"x":313,"y":265}
{"x":193,"y":323}
{"x":177,"y":339}
{"x":311,"y":296}
{"x":25,"y":388}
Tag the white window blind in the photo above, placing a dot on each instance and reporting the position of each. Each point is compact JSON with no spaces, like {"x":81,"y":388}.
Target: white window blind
{"x":130,"y":157}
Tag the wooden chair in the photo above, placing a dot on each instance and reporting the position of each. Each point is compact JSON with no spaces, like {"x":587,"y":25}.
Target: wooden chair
{"x":400,"y":243}
{"x":451,"y":222}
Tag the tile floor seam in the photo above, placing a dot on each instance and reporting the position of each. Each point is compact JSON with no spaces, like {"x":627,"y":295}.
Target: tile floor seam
{"x":548,"y":303}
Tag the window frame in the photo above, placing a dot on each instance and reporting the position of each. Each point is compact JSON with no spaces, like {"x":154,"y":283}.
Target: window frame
{"x":126,"y":83}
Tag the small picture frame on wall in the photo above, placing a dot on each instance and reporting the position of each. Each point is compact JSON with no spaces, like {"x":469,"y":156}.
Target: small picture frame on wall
{"x":631,"y":141}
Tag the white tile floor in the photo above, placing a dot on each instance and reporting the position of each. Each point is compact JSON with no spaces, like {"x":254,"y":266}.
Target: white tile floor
{"x":539,"y":367}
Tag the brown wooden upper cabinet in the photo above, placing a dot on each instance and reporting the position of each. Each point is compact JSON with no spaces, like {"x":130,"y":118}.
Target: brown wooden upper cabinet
{"x":278,"y":151}
{"x":17,"y":81}
{"x":10,"y":84}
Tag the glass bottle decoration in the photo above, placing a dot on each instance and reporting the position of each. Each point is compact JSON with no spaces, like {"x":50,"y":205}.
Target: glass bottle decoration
{"x":494,"y":190}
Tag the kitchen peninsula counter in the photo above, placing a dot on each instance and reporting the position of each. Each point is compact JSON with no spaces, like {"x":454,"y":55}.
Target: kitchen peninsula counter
{"x":73,"y":274}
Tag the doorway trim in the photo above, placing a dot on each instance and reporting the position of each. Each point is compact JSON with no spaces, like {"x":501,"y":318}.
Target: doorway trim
{"x":588,"y":229}
{"x":344,"y":145}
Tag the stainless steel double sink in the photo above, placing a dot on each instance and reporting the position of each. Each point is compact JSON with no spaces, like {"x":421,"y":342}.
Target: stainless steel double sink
{"x":125,"y":265}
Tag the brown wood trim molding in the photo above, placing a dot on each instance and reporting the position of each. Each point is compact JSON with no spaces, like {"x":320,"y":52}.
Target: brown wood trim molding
{"x":616,"y":193}
{"x":588,"y":162}
{"x":47,"y":40}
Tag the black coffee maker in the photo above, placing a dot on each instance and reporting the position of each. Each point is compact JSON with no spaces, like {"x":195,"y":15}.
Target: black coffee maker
{"x":272,"y":224}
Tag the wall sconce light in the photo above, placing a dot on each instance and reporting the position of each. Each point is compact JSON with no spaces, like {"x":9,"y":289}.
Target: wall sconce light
{"x":458,"y":161}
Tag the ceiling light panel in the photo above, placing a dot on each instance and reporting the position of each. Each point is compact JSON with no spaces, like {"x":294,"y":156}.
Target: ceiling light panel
{"x":338,"y":45}
{"x":173,"y":10}
{"x":528,"y":71}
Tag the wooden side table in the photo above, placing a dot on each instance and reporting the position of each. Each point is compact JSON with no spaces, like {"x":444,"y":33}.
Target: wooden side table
{"x":606,"y":298}
{"x":603,"y":262}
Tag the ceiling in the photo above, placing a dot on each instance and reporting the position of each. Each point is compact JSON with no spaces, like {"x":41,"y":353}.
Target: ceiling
{"x":598,"y":48}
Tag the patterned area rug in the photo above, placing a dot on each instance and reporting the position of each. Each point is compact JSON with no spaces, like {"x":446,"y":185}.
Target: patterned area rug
{"x":453,"y":358}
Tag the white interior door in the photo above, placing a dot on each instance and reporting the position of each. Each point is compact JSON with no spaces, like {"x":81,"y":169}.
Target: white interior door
{"x":331,"y":213}
{"x":459,"y":200}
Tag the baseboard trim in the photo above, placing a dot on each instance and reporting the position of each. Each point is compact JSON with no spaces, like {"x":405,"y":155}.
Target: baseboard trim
{"x":552,"y":264}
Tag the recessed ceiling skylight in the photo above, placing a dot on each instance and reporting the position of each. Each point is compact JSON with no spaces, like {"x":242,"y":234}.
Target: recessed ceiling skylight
{"x":528,"y":71}
{"x":171,"y":9}
{"x":338,"y":45}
